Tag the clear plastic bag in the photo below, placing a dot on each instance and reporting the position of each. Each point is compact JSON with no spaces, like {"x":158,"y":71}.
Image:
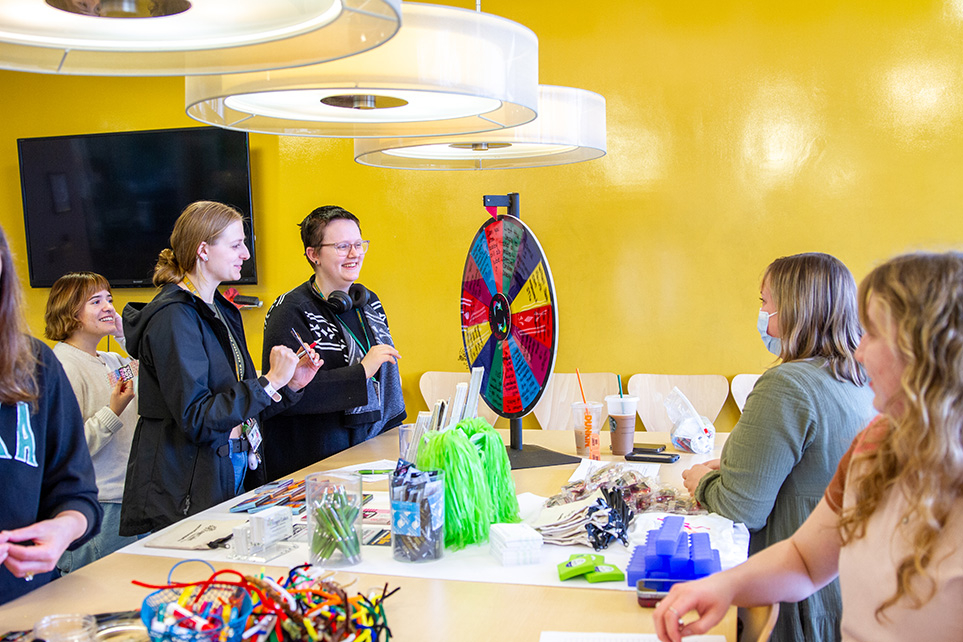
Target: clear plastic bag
{"x":691,"y":432}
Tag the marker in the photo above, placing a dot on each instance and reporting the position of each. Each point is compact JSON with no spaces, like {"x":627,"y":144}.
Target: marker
{"x":376,"y":472}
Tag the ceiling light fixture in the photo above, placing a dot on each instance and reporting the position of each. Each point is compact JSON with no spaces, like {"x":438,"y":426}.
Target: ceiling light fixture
{"x":570,"y":128}
{"x":186,"y":37}
{"x":448,"y":71}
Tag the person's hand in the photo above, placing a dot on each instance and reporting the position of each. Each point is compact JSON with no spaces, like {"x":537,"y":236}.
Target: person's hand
{"x":691,"y":476}
{"x":121,"y":396}
{"x":378,"y":355}
{"x":49,"y":538}
{"x":118,"y":326}
{"x":709,"y":597}
{"x":308,"y":366}
{"x":712,"y":464}
{"x":281,"y":366}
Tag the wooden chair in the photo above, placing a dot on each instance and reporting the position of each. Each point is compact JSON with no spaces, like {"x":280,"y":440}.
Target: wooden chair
{"x":706,"y":392}
{"x":554,"y":409}
{"x":758,"y":622}
{"x":436,"y":385}
{"x":742,"y":385}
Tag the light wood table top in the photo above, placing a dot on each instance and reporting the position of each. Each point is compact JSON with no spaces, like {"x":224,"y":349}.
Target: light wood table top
{"x":424,"y":609}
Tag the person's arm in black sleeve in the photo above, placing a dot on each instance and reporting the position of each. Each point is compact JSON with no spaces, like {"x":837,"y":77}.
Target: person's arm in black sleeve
{"x":182,"y":363}
{"x":331,"y":390}
{"x":69,"y":482}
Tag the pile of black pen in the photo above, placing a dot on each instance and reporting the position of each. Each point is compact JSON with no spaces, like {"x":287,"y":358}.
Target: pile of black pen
{"x":417,"y":513}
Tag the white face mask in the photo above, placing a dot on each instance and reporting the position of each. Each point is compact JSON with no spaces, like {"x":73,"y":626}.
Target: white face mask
{"x":773,"y":344}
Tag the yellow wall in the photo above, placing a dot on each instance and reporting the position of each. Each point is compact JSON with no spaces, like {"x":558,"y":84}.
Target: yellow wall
{"x":738,"y":131}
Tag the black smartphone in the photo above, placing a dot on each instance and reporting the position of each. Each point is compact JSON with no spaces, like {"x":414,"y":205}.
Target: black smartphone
{"x":648,"y":448}
{"x":654,"y":458}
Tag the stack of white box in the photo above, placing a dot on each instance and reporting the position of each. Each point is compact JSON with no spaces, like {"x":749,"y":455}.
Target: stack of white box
{"x":514,"y":544}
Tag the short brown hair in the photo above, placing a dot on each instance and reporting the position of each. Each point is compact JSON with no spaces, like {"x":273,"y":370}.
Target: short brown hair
{"x":200,"y":222}
{"x":66,"y":299}
{"x":314,"y":224}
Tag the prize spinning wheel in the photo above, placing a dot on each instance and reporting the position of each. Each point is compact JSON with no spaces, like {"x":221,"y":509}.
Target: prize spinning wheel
{"x":509,"y":322}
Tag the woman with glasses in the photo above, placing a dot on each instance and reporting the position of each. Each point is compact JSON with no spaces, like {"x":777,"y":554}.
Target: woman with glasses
{"x":890,"y":523}
{"x":357,"y":393}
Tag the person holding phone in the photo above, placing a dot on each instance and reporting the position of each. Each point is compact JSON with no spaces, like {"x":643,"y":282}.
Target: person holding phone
{"x":198,"y":440}
{"x":797,"y":422}
{"x":890,"y":523}
{"x":80,"y":313}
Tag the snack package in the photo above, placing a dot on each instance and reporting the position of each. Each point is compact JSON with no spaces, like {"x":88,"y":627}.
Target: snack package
{"x":691,"y":432}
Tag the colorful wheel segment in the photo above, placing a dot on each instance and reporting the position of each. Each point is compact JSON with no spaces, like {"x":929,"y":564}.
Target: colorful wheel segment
{"x":508,"y":317}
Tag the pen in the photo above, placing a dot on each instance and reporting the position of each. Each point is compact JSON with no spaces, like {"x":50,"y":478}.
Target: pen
{"x":304,"y":347}
{"x":301,"y":352}
{"x":376,"y":472}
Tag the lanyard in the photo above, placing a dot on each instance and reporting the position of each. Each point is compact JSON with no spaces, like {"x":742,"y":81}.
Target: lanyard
{"x":238,"y":358}
{"x":365,"y":346}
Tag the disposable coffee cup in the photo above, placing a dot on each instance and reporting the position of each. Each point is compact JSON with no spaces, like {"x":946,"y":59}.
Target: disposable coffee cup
{"x":622,"y":422}
{"x":587,"y":422}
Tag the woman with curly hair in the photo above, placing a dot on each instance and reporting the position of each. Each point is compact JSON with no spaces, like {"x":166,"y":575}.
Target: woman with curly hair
{"x":890,"y":524}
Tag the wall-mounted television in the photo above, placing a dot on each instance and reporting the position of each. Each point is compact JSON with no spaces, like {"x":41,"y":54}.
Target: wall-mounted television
{"x":107,"y":203}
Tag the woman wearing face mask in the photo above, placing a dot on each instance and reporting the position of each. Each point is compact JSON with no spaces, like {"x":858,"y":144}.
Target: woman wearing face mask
{"x":797,"y":423}
{"x":198,"y":439}
{"x":80,"y":313}
{"x":891,"y":521}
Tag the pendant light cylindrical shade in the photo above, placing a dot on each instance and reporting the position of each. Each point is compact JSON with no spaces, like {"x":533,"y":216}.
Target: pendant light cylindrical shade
{"x":448,"y":70}
{"x":570,"y":128}
{"x":185,"y":37}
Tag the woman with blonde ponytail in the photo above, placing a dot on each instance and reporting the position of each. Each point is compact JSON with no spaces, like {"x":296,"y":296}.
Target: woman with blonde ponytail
{"x":198,"y":440}
{"x":890,"y":525}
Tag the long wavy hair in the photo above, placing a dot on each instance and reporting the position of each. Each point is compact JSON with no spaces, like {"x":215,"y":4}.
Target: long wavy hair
{"x":200,"y":222}
{"x":815,"y":298}
{"x":920,"y":297}
{"x":18,"y":363}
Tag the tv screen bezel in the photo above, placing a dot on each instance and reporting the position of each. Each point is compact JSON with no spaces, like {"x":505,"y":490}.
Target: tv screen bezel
{"x":35,"y":280}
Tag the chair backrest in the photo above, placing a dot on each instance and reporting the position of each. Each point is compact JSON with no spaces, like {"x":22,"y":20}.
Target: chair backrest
{"x":742,"y":385}
{"x":554,"y":409}
{"x":437,"y":385}
{"x":706,"y":392}
{"x":758,"y":622}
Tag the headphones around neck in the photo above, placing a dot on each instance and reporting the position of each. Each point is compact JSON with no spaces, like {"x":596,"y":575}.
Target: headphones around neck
{"x":356,"y":297}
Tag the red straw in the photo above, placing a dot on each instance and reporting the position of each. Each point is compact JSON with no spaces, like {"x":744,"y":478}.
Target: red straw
{"x":579,"y":377}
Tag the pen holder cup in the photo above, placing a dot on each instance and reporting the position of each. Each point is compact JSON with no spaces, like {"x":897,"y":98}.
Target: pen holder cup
{"x":418,"y":519}
{"x":167,"y":620}
{"x":334,"y":518}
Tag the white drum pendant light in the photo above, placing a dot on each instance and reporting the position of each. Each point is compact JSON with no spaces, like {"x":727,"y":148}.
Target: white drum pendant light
{"x":448,"y":71}
{"x":570,"y":128}
{"x":185,"y":37}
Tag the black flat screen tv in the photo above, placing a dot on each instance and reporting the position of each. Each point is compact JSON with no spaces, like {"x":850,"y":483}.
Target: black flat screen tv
{"x":107,"y":203}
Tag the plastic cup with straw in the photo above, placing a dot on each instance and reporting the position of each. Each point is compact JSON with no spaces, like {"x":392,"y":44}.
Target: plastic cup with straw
{"x":591,"y":418}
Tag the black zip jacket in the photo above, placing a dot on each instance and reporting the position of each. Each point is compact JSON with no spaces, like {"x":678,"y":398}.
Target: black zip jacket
{"x":189,"y":400}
